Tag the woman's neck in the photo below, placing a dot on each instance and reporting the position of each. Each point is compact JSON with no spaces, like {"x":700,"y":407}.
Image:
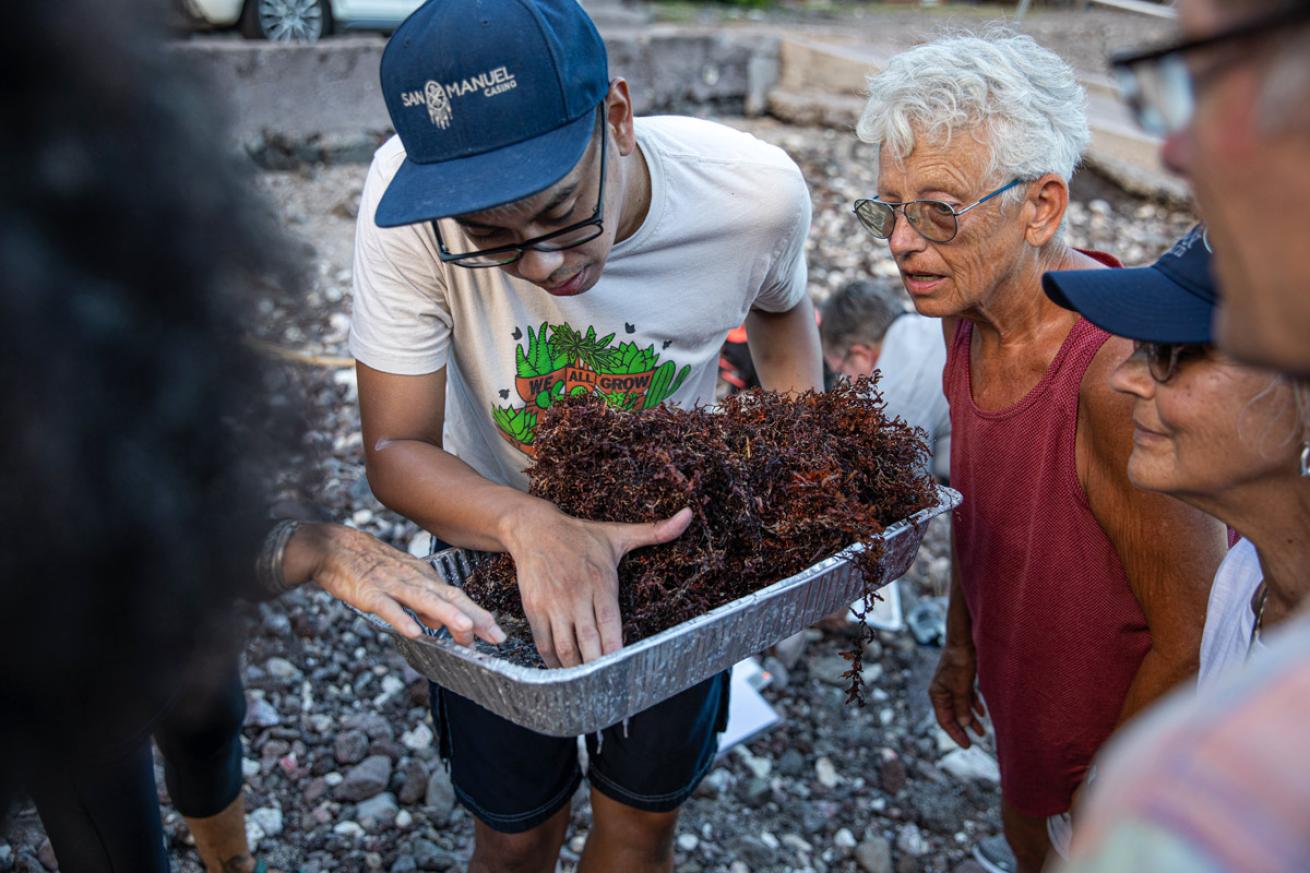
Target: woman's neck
{"x":1012,"y":314}
{"x":1275,"y":517}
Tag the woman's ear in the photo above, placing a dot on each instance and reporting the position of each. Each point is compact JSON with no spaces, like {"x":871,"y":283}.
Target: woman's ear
{"x":1048,"y":199}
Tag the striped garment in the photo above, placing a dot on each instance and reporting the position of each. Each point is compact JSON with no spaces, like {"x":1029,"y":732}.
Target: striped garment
{"x":1215,"y":781}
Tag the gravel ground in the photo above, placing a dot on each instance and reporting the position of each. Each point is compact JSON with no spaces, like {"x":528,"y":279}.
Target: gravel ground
{"x":342,"y":770}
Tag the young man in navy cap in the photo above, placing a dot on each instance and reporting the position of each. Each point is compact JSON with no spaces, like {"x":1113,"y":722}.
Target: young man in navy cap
{"x":524,"y":238}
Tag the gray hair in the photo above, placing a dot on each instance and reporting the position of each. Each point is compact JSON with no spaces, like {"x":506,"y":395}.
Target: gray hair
{"x":1021,"y":97}
{"x":860,"y":312}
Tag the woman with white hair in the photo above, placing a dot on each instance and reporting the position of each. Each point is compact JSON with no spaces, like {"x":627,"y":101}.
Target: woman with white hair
{"x":1076,"y":600}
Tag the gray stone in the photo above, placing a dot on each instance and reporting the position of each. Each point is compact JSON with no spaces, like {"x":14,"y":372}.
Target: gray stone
{"x":753,"y":852}
{"x":366,"y":779}
{"x":350,"y":747}
{"x":282,"y":669}
{"x":755,"y":791}
{"x":891,"y":774}
{"x":404,"y":864}
{"x":791,"y":764}
{"x":260,"y":713}
{"x":6,"y":858}
{"x":380,"y":810}
{"x":829,"y":669}
{"x":440,"y":796}
{"x":413,"y":782}
{"x":874,"y":855}
{"x":429,"y":856}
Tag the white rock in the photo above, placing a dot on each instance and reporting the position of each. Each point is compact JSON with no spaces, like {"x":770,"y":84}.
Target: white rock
{"x":578,"y":843}
{"x":404,"y":819}
{"x":769,"y":840}
{"x":760,"y":767}
{"x":269,"y":819}
{"x":844,"y":839}
{"x":362,"y":517}
{"x":826,"y":773}
{"x":333,"y":779}
{"x":688,"y":842}
{"x":795,"y":843}
{"x":254,"y":835}
{"x":910,"y":840}
{"x":420,"y":545}
{"x":249,"y":768}
{"x":971,"y":763}
{"x":348,"y":829}
{"x":738,"y":867}
{"x":418,"y":739}
{"x":281,"y":668}
{"x":944,"y":742}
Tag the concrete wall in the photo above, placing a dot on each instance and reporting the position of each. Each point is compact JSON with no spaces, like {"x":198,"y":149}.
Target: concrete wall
{"x":326,"y":95}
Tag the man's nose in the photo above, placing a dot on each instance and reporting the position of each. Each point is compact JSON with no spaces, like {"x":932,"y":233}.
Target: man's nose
{"x":537,"y":267}
{"x":1177,"y":151}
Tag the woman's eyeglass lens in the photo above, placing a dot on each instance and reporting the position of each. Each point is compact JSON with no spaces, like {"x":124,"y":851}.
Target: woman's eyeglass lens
{"x":1163,"y":359}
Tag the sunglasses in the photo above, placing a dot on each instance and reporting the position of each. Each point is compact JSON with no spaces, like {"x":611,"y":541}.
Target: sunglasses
{"x":934,"y":220}
{"x":1164,"y":359}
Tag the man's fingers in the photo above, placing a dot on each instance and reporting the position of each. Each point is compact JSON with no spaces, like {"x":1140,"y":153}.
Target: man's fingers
{"x":544,"y":641}
{"x":436,"y":613}
{"x":637,"y":535}
{"x":483,"y":622}
{"x":587,"y":634}
{"x":566,"y":648}
{"x":610,"y":623}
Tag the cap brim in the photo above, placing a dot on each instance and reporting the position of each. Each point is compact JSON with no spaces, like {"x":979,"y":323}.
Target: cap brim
{"x":1139,"y":303}
{"x":421,"y":192}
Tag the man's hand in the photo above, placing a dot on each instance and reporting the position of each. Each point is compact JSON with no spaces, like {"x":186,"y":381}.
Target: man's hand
{"x":957,"y":707}
{"x":568,"y":579}
{"x":373,"y":577}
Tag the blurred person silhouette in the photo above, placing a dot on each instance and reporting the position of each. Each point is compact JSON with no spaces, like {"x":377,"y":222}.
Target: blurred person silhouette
{"x":138,"y":442}
{"x":1221,"y":781}
{"x":867,"y":325}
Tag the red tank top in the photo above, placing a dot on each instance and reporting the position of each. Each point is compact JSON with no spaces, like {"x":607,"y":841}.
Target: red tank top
{"x":1058,"y":632}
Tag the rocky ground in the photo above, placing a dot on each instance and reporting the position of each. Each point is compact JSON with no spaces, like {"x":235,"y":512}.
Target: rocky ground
{"x":341,"y":765}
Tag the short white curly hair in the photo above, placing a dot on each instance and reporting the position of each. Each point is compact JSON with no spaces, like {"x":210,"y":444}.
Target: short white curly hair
{"x":1022,"y":100}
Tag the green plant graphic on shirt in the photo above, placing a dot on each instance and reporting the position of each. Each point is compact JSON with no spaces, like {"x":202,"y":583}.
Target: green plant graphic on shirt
{"x":558,"y":360}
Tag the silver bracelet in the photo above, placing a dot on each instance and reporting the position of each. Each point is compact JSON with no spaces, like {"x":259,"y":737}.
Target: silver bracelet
{"x":268,"y":566}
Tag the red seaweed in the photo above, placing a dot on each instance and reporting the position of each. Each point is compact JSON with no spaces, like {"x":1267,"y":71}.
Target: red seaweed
{"x":776,"y":483}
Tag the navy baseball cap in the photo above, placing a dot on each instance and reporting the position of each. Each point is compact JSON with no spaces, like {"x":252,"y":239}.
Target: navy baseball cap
{"x":1171,"y":301}
{"x":494,"y":101}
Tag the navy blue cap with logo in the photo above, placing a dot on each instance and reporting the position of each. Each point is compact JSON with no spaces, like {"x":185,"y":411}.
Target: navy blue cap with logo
{"x":494,"y":101}
{"x":1171,"y":301}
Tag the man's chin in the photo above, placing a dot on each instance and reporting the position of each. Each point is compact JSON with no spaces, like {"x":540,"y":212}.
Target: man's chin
{"x":577,"y":284}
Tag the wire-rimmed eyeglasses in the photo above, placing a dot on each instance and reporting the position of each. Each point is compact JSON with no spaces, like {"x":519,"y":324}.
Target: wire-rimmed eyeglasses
{"x":935,"y":220}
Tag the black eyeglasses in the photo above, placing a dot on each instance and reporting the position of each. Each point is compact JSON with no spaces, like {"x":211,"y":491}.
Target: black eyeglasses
{"x":1157,"y":84}
{"x":555,"y":241}
{"x":934,"y":220}
{"x":1164,"y":359}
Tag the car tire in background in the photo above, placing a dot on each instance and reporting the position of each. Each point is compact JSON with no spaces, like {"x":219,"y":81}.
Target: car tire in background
{"x":286,"y":20}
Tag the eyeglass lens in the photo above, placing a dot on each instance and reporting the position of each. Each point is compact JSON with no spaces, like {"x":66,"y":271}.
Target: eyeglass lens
{"x":1160,"y":94}
{"x":554,"y":244}
{"x":1162,"y":359}
{"x":932,"y":218}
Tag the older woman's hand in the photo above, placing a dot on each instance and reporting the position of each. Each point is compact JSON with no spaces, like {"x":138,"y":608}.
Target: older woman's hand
{"x":371,"y":576}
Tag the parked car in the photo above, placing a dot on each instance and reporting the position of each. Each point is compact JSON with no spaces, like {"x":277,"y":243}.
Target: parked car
{"x":294,"y":20}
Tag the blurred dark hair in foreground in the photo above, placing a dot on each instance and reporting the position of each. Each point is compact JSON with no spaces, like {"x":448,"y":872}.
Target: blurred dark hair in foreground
{"x":128,"y":246}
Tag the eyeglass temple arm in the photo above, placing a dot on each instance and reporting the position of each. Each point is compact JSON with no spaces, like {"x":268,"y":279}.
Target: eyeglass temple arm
{"x":997,"y":193}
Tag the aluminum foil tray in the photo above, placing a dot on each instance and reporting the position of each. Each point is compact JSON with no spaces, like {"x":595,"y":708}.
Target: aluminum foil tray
{"x":576,"y":700}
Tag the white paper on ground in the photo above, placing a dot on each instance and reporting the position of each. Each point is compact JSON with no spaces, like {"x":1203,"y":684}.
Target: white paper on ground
{"x":886,"y":613}
{"x":748,"y":712}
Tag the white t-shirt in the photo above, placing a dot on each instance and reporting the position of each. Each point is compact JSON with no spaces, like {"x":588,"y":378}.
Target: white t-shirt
{"x":912,"y":358}
{"x":725,"y":233}
{"x":1228,"y":617}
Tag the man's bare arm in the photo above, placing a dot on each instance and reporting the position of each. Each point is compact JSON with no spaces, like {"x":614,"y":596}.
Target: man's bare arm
{"x":785,"y":348}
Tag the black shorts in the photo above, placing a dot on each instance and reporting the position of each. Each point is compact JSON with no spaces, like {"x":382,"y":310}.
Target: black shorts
{"x":514,"y":779}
